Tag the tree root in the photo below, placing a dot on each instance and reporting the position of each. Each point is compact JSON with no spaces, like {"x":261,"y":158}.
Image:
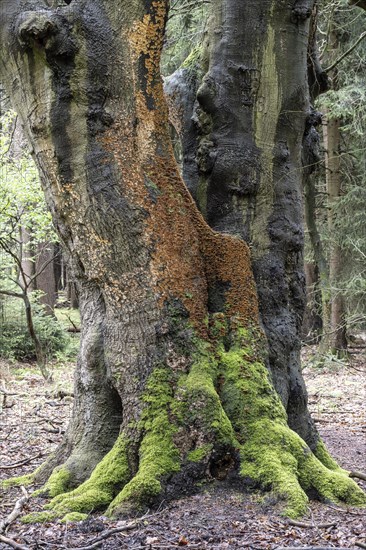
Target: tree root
{"x":358,"y":475}
{"x":224,"y":409}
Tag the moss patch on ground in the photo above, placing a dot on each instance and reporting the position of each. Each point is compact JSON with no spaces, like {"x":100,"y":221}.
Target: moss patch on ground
{"x":74,"y":517}
{"x":25,"y":480}
{"x":39,"y":517}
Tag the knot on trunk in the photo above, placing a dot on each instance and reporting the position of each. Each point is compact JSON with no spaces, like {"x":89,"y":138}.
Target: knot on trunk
{"x":45,"y":30}
{"x":301,"y":13}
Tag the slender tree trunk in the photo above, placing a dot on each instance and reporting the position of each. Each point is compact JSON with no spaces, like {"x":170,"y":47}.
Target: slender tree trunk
{"x":335,"y":331}
{"x":46,"y":281}
{"x":40,"y":356}
{"x":311,"y":159}
{"x":335,"y":336}
{"x":171,"y":377}
{"x":312,"y":322}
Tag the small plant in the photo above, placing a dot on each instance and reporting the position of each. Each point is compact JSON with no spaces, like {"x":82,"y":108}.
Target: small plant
{"x":16,"y":342}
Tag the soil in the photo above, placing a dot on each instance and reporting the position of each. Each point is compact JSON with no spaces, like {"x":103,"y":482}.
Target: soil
{"x":33,"y":418}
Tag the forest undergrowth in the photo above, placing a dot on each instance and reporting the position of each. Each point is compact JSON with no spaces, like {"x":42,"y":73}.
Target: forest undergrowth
{"x":33,"y":417}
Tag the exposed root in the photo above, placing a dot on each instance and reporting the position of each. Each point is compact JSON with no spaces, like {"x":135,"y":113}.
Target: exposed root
{"x":225,"y":402}
{"x":272,"y":454}
{"x":102,"y":486}
{"x":159,"y":457}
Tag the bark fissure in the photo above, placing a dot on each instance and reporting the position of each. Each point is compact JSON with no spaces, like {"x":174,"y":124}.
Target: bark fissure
{"x":170,"y":384}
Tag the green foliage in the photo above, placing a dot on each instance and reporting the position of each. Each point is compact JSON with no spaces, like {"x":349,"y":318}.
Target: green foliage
{"x":185,"y":30}
{"x":340,"y":27}
{"x":15,"y":341}
{"x":22,"y":204}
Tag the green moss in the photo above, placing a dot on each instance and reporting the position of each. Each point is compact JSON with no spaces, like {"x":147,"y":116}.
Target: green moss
{"x":39,"y":517}
{"x":331,"y":485}
{"x":247,"y":393}
{"x":57,"y":483}
{"x":323,"y":455}
{"x":159,"y":456}
{"x":101,"y":487}
{"x":271,"y":453}
{"x":73,"y":517}
{"x":203,"y":405}
{"x":27,"y":479}
{"x":269,"y":458}
{"x":193,"y":60}
{"x":18,"y":481}
{"x":200,"y":453}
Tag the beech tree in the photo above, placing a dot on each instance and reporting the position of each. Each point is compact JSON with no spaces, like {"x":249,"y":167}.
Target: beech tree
{"x":171,"y":385}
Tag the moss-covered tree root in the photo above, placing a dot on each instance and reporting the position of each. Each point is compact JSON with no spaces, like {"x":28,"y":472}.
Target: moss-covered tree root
{"x":221,"y":414}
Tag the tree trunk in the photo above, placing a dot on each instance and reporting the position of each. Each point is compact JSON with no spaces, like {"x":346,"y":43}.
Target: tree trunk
{"x":46,"y":280}
{"x":316,"y":278}
{"x":40,"y":356}
{"x":312,"y":322}
{"x":252,"y":109}
{"x":335,"y":332}
{"x":170,"y":378}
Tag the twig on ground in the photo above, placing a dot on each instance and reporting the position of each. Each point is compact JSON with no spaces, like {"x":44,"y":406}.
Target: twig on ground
{"x":17,"y":510}
{"x":307,"y":525}
{"x":345,"y":510}
{"x":51,"y":421}
{"x":109,"y":533}
{"x":6,"y":392}
{"x":20,"y":463}
{"x":359,"y":475}
{"x":360,"y":544}
{"x":12,"y":543}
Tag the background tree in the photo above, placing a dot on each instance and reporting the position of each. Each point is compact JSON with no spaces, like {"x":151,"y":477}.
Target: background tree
{"x":171,"y":384}
{"x":331,"y":191}
{"x":25,"y":224}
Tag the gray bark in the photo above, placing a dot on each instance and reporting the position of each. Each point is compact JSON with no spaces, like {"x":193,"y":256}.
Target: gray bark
{"x":171,"y":350}
{"x":252,"y":111}
{"x":116,"y":199}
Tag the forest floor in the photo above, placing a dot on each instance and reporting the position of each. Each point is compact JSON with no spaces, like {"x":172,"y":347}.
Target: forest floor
{"x":33,"y":419}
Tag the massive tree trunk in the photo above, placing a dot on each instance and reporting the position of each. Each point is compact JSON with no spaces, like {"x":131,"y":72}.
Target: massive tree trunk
{"x":171,"y":385}
{"x":251,"y":112}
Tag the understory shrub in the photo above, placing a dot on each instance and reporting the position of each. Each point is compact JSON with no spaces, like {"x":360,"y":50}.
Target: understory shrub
{"x":15,"y":341}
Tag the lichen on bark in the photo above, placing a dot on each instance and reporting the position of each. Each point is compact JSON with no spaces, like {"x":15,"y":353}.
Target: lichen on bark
{"x":171,"y":384}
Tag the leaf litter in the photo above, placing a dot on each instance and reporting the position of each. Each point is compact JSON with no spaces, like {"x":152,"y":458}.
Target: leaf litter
{"x":34,"y":415}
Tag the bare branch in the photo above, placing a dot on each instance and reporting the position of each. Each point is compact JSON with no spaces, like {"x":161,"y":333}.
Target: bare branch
{"x":19,"y":505}
{"x":350,"y":50}
{"x":12,"y":294}
{"x":12,"y":543}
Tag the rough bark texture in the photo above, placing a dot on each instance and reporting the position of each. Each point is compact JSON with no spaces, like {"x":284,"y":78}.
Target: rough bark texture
{"x":170,"y":386}
{"x":252,"y":108}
